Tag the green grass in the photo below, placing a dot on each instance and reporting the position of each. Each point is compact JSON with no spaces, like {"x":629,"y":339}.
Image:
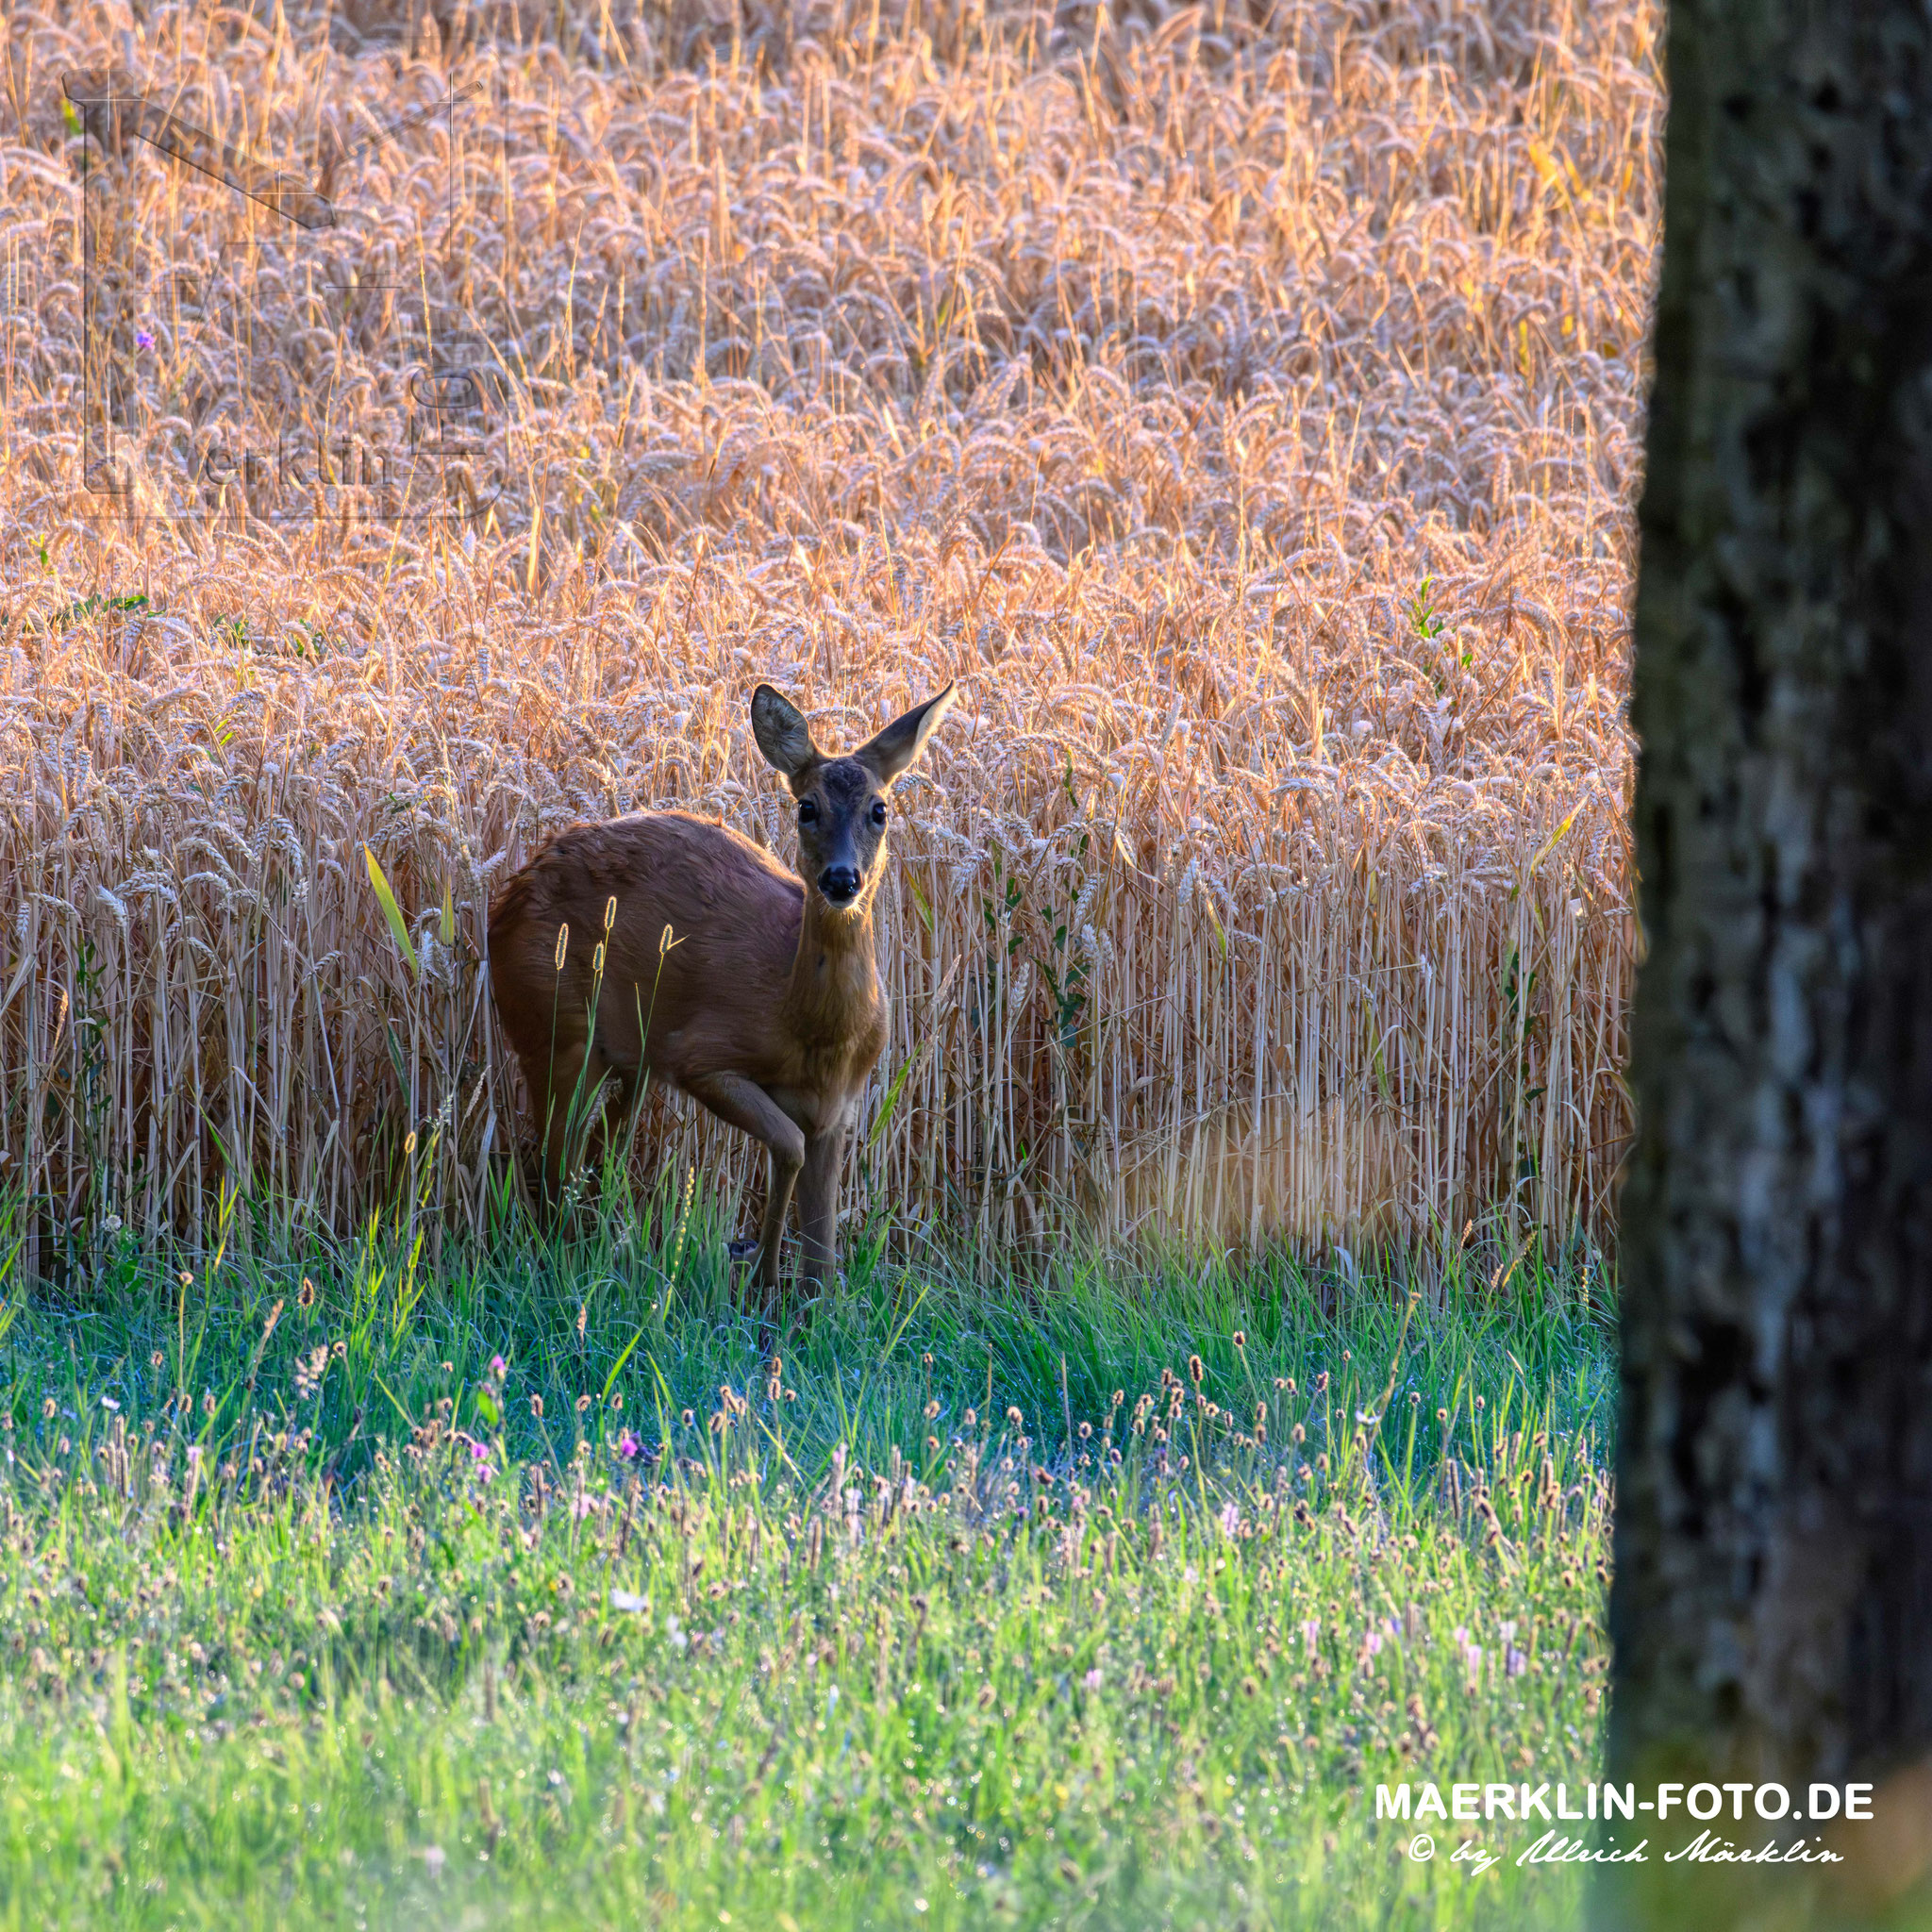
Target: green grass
{"x":316,"y":1620}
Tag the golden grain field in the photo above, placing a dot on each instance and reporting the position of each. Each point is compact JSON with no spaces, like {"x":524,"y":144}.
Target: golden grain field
{"x":1243,"y":403}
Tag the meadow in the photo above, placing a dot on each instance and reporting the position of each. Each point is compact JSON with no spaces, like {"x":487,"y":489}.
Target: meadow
{"x":540,"y":1594}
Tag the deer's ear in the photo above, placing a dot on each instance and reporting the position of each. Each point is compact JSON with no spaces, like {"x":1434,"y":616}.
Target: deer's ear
{"x":783,"y":734}
{"x":904,"y":738}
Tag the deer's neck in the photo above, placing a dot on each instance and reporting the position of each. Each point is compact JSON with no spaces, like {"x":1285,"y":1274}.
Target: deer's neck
{"x":834,"y":992}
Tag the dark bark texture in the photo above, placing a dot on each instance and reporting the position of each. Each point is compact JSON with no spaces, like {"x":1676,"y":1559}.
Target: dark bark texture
{"x":1771,"y":1610}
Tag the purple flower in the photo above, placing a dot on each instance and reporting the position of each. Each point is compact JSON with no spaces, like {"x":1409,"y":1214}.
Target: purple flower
{"x":1514,"y":1663}
{"x":479,"y":1453}
{"x":629,"y":1446}
{"x":497,"y":1365}
{"x":1310,"y":1631}
{"x":143,"y":339}
{"x":1373,"y":1643}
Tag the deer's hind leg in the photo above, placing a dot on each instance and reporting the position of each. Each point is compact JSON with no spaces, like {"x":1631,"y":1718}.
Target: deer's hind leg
{"x":742,"y":1103}
{"x":572,"y":1097}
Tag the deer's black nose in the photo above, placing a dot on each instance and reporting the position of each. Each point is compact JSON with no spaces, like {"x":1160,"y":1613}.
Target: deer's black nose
{"x":840,"y":883}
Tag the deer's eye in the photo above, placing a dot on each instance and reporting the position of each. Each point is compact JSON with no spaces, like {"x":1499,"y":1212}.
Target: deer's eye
{"x":808,"y":814}
{"x":878,"y":811}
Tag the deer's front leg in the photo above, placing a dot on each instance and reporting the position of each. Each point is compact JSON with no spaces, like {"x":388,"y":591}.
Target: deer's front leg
{"x":742,"y":1102}
{"x":818,"y":1206}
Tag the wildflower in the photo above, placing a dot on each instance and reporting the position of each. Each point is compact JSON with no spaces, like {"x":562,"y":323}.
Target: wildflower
{"x":1507,"y":1629}
{"x":496,"y":1368}
{"x":1230,"y":1519}
{"x":1514,"y":1663}
{"x":629,"y":1446}
{"x":1092,"y":1680}
{"x":1310,"y":1631}
{"x":143,"y":339}
{"x":112,"y":1224}
{"x":581,"y":1505}
{"x":1371,"y":1644}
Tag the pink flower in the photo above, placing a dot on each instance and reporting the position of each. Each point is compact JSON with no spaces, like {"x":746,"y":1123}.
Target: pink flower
{"x":497,"y":1365}
{"x":629,"y":1446}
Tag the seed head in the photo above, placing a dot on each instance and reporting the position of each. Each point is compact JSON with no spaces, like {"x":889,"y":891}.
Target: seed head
{"x":562,"y":945}
{"x":610,"y":912}
{"x":583,"y":1403}
{"x":305,"y":1295}
{"x":1241,"y":1340}
{"x":1196,"y":1368}
{"x":537,"y":1406}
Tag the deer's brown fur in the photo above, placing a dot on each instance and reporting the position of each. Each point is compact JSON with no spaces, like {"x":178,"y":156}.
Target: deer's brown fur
{"x":765,"y":1005}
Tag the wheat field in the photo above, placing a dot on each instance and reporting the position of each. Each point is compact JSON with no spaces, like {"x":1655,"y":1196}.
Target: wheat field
{"x":1243,"y":403}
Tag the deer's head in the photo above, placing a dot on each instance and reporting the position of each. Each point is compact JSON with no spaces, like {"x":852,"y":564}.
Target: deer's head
{"x":842,"y":811}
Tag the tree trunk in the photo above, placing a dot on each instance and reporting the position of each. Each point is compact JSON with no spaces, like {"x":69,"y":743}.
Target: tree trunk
{"x":1771,"y":1610}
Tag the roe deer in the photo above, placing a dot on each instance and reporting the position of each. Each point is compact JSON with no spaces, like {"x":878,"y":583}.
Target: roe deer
{"x":765,"y":1006}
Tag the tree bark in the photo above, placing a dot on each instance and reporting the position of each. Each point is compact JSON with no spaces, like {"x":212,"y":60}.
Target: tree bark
{"x":1771,"y":1608}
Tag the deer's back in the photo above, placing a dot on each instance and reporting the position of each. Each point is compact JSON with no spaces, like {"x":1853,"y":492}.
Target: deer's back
{"x":734,"y":911}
